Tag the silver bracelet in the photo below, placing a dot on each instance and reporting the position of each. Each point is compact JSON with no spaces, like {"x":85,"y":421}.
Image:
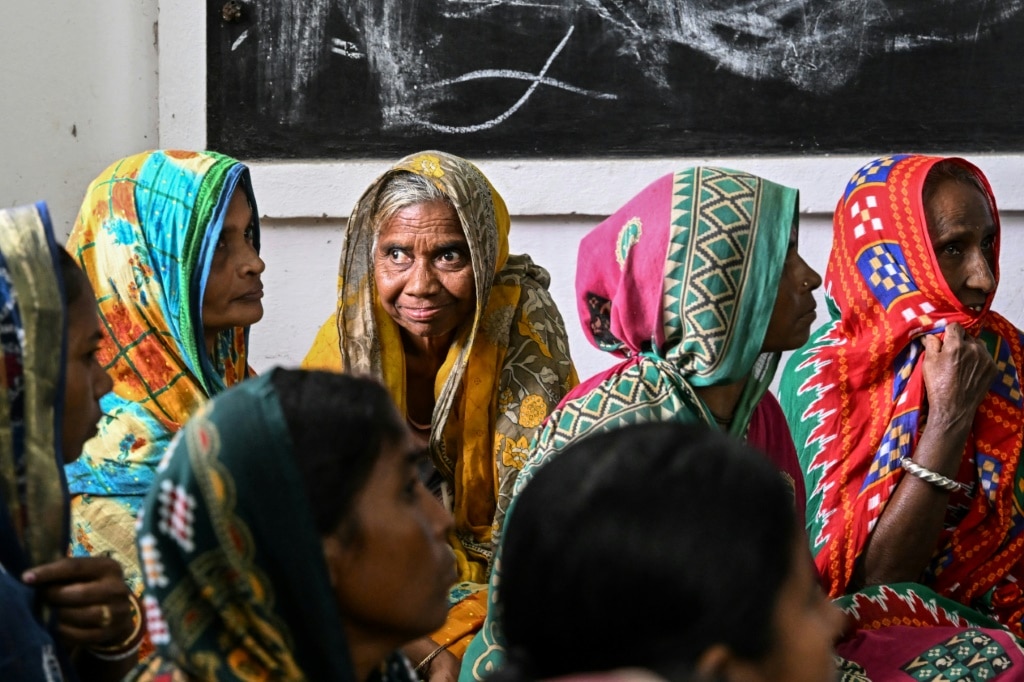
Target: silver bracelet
{"x":937,"y":480}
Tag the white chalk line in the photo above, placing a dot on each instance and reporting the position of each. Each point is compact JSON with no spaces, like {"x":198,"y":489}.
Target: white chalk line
{"x":536,"y":82}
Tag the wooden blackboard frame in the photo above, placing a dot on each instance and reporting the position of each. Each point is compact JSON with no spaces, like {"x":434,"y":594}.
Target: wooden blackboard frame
{"x":327,"y":189}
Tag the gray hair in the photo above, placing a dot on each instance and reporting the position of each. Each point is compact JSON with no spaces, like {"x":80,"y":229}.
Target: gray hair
{"x":401,"y":191}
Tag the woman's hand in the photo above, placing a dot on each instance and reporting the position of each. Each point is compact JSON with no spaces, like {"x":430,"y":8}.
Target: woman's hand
{"x":958,"y":372}
{"x":443,"y":667}
{"x":90,"y":597}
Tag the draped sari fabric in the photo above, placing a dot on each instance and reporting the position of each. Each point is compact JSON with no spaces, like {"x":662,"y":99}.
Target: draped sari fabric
{"x":237,"y":587}
{"x":855,"y":396}
{"x":145,"y":237}
{"x":506,"y":370}
{"x":681,"y":282}
{"x":855,"y":399}
{"x":33,"y":494}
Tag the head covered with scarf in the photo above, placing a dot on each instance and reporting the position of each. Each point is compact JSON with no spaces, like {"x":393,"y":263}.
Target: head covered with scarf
{"x":508,"y":364}
{"x":237,"y":585}
{"x":145,"y":237}
{"x":855,"y":394}
{"x":681,"y":282}
{"x":33,"y":494}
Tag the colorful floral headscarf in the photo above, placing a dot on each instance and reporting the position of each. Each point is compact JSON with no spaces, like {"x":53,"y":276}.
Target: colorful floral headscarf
{"x":145,"y":237}
{"x":854,"y":396}
{"x":506,"y":370}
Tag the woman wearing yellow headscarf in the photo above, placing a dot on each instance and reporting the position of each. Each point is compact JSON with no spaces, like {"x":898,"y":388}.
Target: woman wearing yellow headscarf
{"x":467,"y":340}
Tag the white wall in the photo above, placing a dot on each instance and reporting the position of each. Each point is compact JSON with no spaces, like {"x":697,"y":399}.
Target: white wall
{"x":78,"y":86}
{"x":302,"y":266}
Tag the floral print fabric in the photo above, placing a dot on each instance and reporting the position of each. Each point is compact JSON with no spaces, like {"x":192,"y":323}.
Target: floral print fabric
{"x":145,"y":238}
{"x":507,"y":369}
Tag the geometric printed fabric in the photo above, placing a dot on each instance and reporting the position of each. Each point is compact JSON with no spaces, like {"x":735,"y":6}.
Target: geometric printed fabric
{"x":706,"y":257}
{"x":689,"y":304}
{"x":883,"y":268}
{"x":895,"y":446}
{"x":854,"y":394}
{"x":968,"y":656}
{"x":875,"y":172}
{"x":1007,"y":381}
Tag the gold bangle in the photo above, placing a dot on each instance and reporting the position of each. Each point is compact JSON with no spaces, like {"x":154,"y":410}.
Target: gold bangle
{"x":127,"y":646}
{"x":424,"y":665}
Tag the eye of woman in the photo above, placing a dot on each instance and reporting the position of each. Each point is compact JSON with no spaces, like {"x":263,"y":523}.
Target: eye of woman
{"x":951,"y":249}
{"x":395,"y":254}
{"x":988,"y":243}
{"x":451,"y":256}
{"x":250,"y":233}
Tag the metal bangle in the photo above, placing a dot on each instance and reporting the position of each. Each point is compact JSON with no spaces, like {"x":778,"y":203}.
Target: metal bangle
{"x":130,"y":645}
{"x":424,"y":665}
{"x":120,"y":656}
{"x":937,"y":480}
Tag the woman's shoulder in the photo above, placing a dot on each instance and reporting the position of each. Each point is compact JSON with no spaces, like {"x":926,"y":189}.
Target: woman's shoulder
{"x":520,"y":269}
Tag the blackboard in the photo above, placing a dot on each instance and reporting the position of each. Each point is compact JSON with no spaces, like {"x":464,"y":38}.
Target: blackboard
{"x":596,"y":78}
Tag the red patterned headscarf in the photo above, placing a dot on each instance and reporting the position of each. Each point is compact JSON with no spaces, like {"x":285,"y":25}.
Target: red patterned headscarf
{"x":854,"y":395}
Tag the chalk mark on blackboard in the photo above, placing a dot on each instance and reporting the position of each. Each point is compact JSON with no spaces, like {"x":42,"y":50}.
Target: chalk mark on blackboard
{"x":816,"y":46}
{"x":481,"y":6}
{"x":522,"y":76}
{"x":346,"y":49}
{"x":239,"y":40}
{"x":537,"y":81}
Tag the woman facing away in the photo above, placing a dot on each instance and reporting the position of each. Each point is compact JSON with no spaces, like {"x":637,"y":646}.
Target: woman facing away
{"x":468,"y":342}
{"x":288,"y":536}
{"x":908,"y":417}
{"x":60,"y":617}
{"x":731,"y":592}
{"x":698,"y":284}
{"x":170,"y":242}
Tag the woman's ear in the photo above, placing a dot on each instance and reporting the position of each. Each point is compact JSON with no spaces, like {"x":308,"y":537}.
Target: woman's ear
{"x":336,"y":557}
{"x":720,"y":664}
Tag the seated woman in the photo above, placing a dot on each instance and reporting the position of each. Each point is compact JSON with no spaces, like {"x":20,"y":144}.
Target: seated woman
{"x":170,"y":242}
{"x":289,"y":537}
{"x":467,"y":340}
{"x":59,"y":617}
{"x":731,"y":594}
{"x":698,"y":284}
{"x":907,"y":412}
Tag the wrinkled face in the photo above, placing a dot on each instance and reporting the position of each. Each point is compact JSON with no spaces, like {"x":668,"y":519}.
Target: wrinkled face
{"x":806,"y":626}
{"x":423,"y":271}
{"x":234,"y":292}
{"x":392,"y":576}
{"x":794,"y":312}
{"x":85,"y":380}
{"x":963,"y":234}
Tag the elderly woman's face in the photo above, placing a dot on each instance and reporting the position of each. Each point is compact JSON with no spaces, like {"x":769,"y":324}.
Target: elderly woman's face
{"x":790,"y":324}
{"x":963,"y":234}
{"x":423,"y":271}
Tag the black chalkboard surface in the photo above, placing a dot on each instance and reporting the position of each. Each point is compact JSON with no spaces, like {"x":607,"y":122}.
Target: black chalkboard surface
{"x":575,"y":78}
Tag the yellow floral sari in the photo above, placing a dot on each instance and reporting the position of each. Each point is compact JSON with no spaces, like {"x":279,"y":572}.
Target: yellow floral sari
{"x":505,"y":372}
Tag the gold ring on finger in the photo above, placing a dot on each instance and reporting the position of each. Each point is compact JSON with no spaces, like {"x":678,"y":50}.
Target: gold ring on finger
{"x":105,"y":616}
